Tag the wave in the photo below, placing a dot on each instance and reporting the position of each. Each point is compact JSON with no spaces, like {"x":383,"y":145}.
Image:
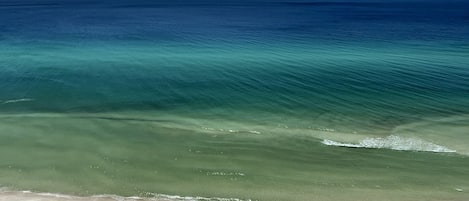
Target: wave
{"x":393,"y":142}
{"x":32,"y":196}
{"x":409,"y":137}
{"x":231,"y":130}
{"x":17,"y":100}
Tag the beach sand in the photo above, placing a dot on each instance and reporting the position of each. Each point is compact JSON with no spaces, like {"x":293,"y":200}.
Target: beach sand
{"x":30,"y":196}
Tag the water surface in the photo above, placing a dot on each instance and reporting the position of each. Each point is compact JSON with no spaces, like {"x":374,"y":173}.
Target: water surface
{"x":248,"y":100}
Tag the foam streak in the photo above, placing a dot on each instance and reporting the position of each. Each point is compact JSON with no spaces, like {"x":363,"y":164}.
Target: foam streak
{"x":17,"y":100}
{"x":393,"y":142}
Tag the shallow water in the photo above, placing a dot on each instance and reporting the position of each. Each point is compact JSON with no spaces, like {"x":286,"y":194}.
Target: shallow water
{"x":245,"y":100}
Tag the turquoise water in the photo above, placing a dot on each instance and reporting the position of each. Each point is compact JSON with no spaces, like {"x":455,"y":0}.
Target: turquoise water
{"x":261,"y":101}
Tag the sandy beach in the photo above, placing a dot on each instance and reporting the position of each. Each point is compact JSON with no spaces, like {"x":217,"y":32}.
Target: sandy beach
{"x":30,"y":196}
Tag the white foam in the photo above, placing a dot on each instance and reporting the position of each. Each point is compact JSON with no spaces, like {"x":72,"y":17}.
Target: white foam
{"x":393,"y":142}
{"x":7,"y":195}
{"x":231,"y":130}
{"x":226,"y":174}
{"x":17,"y":100}
{"x":254,"y":132}
{"x":187,"y":198}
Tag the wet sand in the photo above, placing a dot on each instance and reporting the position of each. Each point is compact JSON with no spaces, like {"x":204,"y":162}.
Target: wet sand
{"x":30,"y":196}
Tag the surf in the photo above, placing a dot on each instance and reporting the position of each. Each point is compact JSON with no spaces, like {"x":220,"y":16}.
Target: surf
{"x":393,"y":142}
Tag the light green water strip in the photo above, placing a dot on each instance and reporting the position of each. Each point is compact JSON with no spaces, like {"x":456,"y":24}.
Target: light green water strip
{"x":133,"y":155}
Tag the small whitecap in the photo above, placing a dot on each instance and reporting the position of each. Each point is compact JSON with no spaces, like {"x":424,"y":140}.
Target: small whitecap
{"x":17,"y":100}
{"x":393,"y":142}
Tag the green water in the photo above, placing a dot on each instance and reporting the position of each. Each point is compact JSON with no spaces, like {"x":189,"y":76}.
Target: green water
{"x":100,"y":120}
{"x":88,"y":154}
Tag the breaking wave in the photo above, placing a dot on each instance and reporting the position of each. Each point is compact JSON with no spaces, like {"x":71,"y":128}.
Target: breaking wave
{"x":393,"y":142}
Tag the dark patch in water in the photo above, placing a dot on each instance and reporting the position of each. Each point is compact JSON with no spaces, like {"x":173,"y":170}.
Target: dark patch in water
{"x":338,"y":3}
{"x":8,"y":5}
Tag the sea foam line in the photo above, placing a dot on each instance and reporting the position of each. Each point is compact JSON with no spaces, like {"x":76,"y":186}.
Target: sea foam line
{"x":393,"y":142}
{"x":17,"y":100}
{"x":198,"y":198}
{"x":28,"y":195}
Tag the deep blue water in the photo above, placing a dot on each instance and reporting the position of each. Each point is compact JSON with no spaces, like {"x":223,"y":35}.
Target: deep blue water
{"x":286,"y":57}
{"x":251,"y":21}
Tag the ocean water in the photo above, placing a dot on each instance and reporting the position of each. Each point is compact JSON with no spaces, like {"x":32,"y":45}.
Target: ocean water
{"x":234,"y":100}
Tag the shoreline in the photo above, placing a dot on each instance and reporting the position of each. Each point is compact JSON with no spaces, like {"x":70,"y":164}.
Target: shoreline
{"x":10,"y":195}
{"x":31,"y":196}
